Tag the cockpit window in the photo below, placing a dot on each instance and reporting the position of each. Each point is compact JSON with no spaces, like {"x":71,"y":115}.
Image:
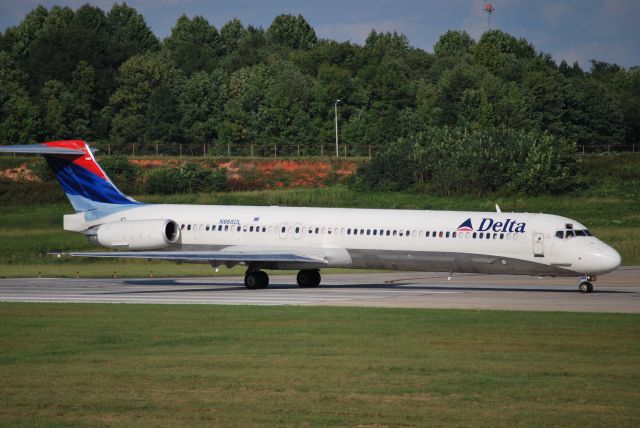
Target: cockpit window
{"x":571,"y":233}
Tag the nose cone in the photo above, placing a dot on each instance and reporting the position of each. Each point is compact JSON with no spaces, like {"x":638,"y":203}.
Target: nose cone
{"x":605,"y":259}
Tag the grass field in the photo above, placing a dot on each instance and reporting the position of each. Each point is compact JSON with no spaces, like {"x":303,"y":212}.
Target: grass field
{"x":153,"y":365}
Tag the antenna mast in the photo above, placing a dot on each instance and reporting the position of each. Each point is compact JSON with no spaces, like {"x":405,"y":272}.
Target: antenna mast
{"x":488,"y":7}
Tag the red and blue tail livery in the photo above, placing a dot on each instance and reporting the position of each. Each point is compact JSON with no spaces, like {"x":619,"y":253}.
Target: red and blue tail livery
{"x":84,"y":182}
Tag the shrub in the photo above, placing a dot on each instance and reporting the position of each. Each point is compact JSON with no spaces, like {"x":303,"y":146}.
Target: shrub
{"x":187,"y":178}
{"x":457,"y":160}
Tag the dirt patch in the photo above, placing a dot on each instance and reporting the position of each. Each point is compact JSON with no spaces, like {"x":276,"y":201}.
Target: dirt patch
{"x":244,"y":174}
{"x":21,"y":173}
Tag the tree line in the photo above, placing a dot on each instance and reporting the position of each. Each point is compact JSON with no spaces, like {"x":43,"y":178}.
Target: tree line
{"x":105,"y":77}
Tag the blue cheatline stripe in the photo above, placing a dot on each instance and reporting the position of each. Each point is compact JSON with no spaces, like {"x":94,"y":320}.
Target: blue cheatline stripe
{"x":77,"y":181}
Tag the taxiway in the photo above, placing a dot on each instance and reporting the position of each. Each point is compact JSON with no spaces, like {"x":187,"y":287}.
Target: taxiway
{"x":615,"y":292}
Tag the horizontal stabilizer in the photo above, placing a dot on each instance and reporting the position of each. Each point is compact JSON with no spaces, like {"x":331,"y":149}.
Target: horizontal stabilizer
{"x":40,"y":149}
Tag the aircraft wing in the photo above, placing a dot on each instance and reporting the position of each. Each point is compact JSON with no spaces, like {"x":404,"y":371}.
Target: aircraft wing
{"x":199,"y":256}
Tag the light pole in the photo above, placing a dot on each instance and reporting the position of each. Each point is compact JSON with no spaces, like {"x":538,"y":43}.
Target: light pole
{"x":336,"y":113}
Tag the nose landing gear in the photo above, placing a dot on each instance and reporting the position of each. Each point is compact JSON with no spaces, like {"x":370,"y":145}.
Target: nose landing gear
{"x":585,"y":283}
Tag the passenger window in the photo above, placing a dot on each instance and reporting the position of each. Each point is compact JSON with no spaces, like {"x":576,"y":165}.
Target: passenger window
{"x":207,"y":228}
{"x":375,"y":232}
{"x":348,"y":231}
{"x":226,"y":228}
{"x":447,"y":234}
{"x":317,"y":230}
{"x":401,"y":233}
{"x":474,"y":235}
{"x":440,"y":235}
{"x":264,"y":228}
{"x":283,"y":230}
{"x":238,"y":229}
{"x":395,"y":232}
{"x":502,"y":236}
{"x":368,"y":232}
{"x":388,"y":232}
{"x":298,"y":229}
{"x":329,"y":231}
{"x":182,"y":227}
{"x":250,"y":228}
{"x":426,"y":234}
{"x":188,"y":227}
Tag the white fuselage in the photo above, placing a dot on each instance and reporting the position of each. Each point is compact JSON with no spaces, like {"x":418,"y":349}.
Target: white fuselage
{"x":451,"y":241}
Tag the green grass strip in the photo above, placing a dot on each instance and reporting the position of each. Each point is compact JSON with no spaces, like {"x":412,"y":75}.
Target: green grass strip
{"x":180,"y":365}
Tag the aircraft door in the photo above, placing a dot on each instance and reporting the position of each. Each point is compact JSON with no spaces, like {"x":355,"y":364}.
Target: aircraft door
{"x":538,"y":245}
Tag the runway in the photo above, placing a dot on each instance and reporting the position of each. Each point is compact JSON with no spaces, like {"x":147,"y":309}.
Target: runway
{"x":615,"y":292}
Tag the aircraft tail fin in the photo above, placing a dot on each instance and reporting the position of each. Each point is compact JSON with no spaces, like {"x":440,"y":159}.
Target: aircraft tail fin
{"x":84,"y":182}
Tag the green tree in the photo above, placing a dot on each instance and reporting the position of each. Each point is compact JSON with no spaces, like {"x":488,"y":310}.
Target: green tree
{"x":129,"y":33}
{"x":18,"y":116}
{"x":292,"y":32}
{"x":201,"y":102}
{"x":194,"y":45}
{"x":137,"y":79}
{"x":454,"y":43}
{"x":232,"y":34}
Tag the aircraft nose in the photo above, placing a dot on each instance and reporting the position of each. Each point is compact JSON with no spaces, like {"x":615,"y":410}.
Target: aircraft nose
{"x":607,"y":259}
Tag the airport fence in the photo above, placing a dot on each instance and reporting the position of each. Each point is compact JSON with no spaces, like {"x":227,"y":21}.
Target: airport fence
{"x":288,"y":150}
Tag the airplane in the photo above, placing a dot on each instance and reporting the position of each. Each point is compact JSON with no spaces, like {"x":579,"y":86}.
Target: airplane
{"x":309,"y":239}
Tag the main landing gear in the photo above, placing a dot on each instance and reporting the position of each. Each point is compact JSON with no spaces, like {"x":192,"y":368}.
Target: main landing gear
{"x":256,"y":279}
{"x":308,"y":278}
{"x":585,"y":283}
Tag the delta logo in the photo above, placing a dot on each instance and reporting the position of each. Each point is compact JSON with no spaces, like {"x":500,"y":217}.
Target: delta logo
{"x":490,"y":225}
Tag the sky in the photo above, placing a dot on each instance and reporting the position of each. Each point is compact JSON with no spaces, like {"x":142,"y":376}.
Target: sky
{"x":573,"y":30}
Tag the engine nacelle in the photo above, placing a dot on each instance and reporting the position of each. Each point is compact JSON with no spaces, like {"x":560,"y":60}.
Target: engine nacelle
{"x":137,"y":234}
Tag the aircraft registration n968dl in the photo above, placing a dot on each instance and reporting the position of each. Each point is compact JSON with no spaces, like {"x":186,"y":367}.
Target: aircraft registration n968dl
{"x":309,"y":239}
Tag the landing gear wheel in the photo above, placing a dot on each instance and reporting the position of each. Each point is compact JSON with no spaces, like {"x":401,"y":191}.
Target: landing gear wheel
{"x":308,"y":278}
{"x":585,"y":287}
{"x":256,"y":280}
